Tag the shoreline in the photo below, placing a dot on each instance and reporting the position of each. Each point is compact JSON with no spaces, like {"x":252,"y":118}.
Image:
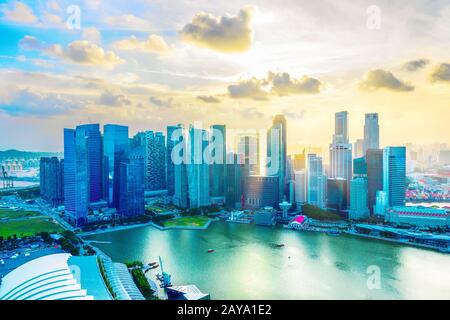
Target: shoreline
{"x":141,"y":225}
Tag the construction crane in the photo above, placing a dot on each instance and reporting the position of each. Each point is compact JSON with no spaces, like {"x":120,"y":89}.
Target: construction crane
{"x":7,"y":180}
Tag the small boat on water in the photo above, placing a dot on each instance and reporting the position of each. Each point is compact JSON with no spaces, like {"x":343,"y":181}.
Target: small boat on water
{"x":152,"y":264}
{"x":280,"y":245}
{"x":211,"y":250}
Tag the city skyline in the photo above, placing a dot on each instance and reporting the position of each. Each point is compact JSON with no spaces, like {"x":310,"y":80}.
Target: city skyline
{"x":147,"y":64}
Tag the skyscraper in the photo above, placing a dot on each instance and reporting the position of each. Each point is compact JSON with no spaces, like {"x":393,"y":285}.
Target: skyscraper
{"x":82,"y":171}
{"x":277,"y":152}
{"x":374,"y":161}
{"x":371,"y":132}
{"x":131,"y":186}
{"x":236,"y":176}
{"x":248,"y":147}
{"x":316,"y":181}
{"x":198,"y":169}
{"x":218,"y":168}
{"x":300,"y":187}
{"x":51,"y":178}
{"x":337,"y":194}
{"x":358,"y":199}
{"x":116,"y":146}
{"x":358,"y":148}
{"x":155,"y":161}
{"x":181,"y":190}
{"x":394,"y":175}
{"x":299,"y":161}
{"x":170,"y":167}
{"x":341,"y":151}
{"x":341,"y":127}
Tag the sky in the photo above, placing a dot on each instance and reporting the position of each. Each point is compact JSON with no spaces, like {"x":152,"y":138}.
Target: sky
{"x":152,"y":63}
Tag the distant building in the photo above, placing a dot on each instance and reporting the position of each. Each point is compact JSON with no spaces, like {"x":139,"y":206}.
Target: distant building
{"x":394,"y":175}
{"x":299,"y":161}
{"x":82,"y":170}
{"x":155,"y":161}
{"x":218,"y":167}
{"x":277,"y":152}
{"x":381,"y":203}
{"x":374,"y":161}
{"x":358,"y":148}
{"x":170,"y":166}
{"x":371,"y":132}
{"x":337,"y":194}
{"x":444,"y":157}
{"x":265,"y":217}
{"x":131,"y":187}
{"x":248,"y":148}
{"x":300,"y":186}
{"x":418,"y":216}
{"x":181,"y":190}
{"x":358,"y":199}
{"x":52,"y":180}
{"x":261,"y":191}
{"x":316,"y":182}
{"x":360,"y":167}
{"x":116,"y":144}
{"x":198,"y":169}
{"x":237,"y":172}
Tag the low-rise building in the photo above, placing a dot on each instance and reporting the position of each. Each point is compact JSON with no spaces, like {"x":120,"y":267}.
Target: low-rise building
{"x":418,"y":216}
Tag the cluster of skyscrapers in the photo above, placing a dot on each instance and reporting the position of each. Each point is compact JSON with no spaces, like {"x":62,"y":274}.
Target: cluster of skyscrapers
{"x":357,"y":184}
{"x":194,"y":168}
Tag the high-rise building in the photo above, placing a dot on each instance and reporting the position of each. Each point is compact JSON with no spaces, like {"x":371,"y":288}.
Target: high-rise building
{"x":341,"y":152}
{"x":371,"y":132}
{"x":116,"y":145}
{"x":170,"y":167}
{"x":277,"y":152}
{"x":315,"y":181}
{"x":358,"y":199}
{"x":337,"y":194}
{"x":198,"y":169}
{"x":358,"y":148}
{"x":52,"y":180}
{"x":374,"y":161}
{"x":248,"y":147}
{"x":155,"y":161}
{"x":360,"y":167}
{"x":261,"y":191}
{"x":381,"y":203}
{"x":300,"y":186}
{"x":218,"y":156}
{"x":131,"y":186}
{"x":181,"y":190}
{"x":82,"y":170}
{"x":236,"y":175}
{"x":341,"y":127}
{"x":299,"y":161}
{"x":394,"y":175}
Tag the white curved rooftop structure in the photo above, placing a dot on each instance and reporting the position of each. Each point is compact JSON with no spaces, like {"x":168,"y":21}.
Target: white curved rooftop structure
{"x":55,"y":277}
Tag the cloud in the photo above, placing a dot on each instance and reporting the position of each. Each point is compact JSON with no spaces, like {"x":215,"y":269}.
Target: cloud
{"x":441,"y":73}
{"x":54,"y":5}
{"x":92,"y":34}
{"x":248,"y":89}
{"x":283,"y":84}
{"x":78,"y":51}
{"x":153,"y":43}
{"x":251,"y":113}
{"x":224,"y":34}
{"x":127,"y":21}
{"x":52,"y":19}
{"x":114,"y":100}
{"x":21,"y":13}
{"x":415,"y":65}
{"x":209,"y":99}
{"x":381,"y":79}
{"x":280,"y":84}
{"x":161,"y":102}
{"x":27,"y":102}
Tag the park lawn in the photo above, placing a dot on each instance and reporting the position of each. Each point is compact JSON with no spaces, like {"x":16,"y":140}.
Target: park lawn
{"x":29,"y":227}
{"x":13,"y":214}
{"x":193,"y":221}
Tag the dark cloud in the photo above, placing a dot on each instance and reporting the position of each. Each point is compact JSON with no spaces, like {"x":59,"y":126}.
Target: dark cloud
{"x":441,"y":73}
{"x":113,"y":100}
{"x":209,"y":99}
{"x":280,"y":84}
{"x":381,"y":79}
{"x":224,"y":34}
{"x":415,"y":65}
{"x":163,"y":103}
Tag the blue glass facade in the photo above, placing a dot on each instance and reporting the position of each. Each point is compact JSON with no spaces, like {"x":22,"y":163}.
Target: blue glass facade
{"x":394,"y":175}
